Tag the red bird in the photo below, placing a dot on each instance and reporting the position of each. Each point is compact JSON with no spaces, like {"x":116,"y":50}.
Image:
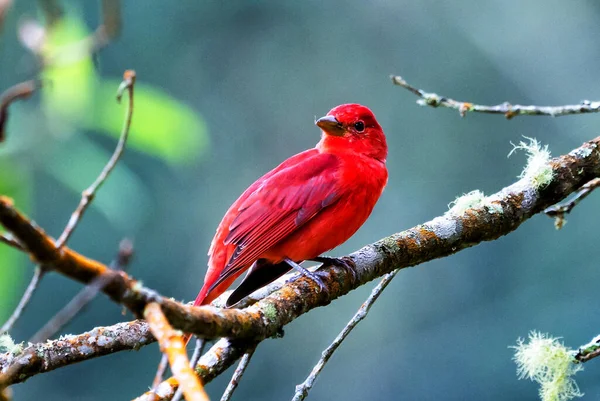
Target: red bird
{"x":309,"y":204}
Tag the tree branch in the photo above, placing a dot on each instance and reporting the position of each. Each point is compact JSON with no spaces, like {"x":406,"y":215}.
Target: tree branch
{"x":508,"y":110}
{"x":499,"y":215}
{"x":67,"y":350}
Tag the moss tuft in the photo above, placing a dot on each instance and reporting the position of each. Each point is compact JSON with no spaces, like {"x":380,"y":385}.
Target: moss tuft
{"x":537,"y":170}
{"x":270,"y":312}
{"x":546,"y":360}
{"x":7,"y":345}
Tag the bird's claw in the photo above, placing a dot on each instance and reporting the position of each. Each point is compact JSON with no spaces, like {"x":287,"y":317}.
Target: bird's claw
{"x":307,"y":273}
{"x":345,"y":263}
{"x":314,"y":277}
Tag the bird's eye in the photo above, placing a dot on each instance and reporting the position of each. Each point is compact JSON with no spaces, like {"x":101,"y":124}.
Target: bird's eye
{"x":359,"y":126}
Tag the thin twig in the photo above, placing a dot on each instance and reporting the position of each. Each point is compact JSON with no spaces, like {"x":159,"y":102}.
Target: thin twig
{"x":237,"y":375}
{"x":172,"y":344}
{"x":198,"y":350}
{"x":303,"y":389}
{"x":558,"y":211}
{"x":160,"y":371}
{"x":19,"y":91}
{"x":24,"y":301}
{"x":589,"y":351}
{"x":88,"y":195}
{"x":85,"y":296}
{"x":506,"y":109}
{"x":11,"y":242}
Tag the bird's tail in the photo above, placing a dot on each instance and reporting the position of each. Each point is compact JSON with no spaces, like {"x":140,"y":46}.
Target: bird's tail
{"x":201,"y":299}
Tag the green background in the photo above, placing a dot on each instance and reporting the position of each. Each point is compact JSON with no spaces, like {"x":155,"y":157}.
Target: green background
{"x":227,"y":90}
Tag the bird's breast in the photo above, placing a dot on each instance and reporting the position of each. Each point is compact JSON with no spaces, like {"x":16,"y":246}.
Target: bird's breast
{"x":361,"y":183}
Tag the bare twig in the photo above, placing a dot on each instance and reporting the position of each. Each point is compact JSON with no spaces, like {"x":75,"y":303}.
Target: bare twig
{"x":558,"y":211}
{"x":22,"y":90}
{"x":589,"y":351}
{"x":506,"y":109}
{"x":198,"y":351}
{"x":11,"y":242}
{"x":303,"y":389}
{"x":24,"y":301}
{"x":84,"y":296}
{"x":171,"y":343}
{"x":237,"y":375}
{"x":88,"y":195}
{"x":160,"y":371}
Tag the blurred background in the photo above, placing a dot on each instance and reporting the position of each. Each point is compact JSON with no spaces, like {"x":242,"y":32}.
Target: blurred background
{"x":225,"y":92}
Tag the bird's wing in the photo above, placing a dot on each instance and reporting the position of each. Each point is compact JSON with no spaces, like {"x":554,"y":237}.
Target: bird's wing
{"x":278,"y":206}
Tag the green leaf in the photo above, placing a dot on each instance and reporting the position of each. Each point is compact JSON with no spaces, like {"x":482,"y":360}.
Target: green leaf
{"x":161,"y":126}
{"x":70,"y":80}
{"x":76,"y":97}
{"x":123,"y":198}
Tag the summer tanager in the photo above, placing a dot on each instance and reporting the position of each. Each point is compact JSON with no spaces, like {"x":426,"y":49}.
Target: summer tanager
{"x":309,"y":204}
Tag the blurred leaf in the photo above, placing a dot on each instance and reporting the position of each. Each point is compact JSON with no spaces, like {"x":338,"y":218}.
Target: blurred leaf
{"x":122,"y":200}
{"x":77,"y":97}
{"x":69,"y":88}
{"x":16,"y":183}
{"x":161,"y":125}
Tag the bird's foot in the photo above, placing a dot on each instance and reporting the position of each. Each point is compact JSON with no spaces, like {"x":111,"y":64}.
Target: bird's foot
{"x":307,"y":273}
{"x":345,"y":263}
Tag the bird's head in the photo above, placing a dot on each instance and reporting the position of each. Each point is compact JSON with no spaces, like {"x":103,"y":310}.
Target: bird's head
{"x":352,"y":128}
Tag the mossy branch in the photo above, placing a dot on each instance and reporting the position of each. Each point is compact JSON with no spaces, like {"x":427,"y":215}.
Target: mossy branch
{"x":492,"y":217}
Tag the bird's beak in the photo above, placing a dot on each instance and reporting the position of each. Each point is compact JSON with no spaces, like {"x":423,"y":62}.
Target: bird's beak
{"x":330,"y":125}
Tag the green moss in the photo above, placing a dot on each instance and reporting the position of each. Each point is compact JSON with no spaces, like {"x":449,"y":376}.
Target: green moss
{"x":7,"y":345}
{"x":467,"y":201}
{"x":270,"y":312}
{"x":201,"y":370}
{"x":537,"y":170}
{"x":390,"y":244}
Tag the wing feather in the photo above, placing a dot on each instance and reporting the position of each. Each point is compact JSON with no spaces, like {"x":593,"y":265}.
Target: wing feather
{"x":282,"y":203}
